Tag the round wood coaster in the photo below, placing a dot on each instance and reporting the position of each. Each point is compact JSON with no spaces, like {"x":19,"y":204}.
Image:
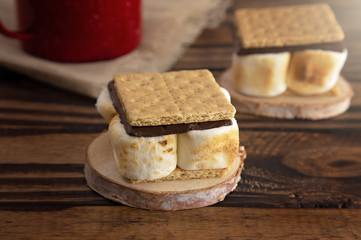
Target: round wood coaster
{"x":102,"y":175}
{"x":290,"y":105}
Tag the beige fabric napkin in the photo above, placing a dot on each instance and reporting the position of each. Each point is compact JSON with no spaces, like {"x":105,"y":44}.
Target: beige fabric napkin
{"x":168,"y":26}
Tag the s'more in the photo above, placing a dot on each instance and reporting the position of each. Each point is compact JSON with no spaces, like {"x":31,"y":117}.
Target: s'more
{"x":170,"y":126}
{"x":298,"y":47}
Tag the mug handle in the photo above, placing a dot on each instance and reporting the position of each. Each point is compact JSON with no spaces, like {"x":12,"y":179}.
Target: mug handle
{"x":14,"y":34}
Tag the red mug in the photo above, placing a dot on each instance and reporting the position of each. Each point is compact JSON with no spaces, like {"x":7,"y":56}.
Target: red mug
{"x":78,"y":30}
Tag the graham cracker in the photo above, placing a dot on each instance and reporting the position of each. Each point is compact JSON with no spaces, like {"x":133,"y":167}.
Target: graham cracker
{"x":172,"y":98}
{"x":146,"y":100}
{"x":287,"y":26}
{"x":181,"y":174}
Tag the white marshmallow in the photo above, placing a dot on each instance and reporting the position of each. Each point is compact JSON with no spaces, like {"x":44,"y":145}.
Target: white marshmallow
{"x":226,"y":93}
{"x":104,"y":105}
{"x":142,"y":158}
{"x":260,"y":74}
{"x":315,"y":71}
{"x":208,"y":149}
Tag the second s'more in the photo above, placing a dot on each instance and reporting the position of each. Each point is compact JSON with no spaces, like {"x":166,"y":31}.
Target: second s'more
{"x":298,"y":47}
{"x":170,"y":126}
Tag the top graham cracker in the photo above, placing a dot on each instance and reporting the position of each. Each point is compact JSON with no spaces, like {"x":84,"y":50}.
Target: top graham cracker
{"x":287,"y":26}
{"x":153,"y":99}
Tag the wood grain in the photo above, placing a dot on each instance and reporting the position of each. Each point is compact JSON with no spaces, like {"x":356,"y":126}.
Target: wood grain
{"x":54,"y":143}
{"x":45,"y":131}
{"x":213,"y":223}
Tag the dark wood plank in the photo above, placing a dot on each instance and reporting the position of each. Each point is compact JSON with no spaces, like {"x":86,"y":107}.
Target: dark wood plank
{"x":213,"y":223}
{"x":216,"y":37}
{"x":283,"y":169}
{"x":44,"y":132}
{"x":287,"y":165}
{"x":47,"y":147}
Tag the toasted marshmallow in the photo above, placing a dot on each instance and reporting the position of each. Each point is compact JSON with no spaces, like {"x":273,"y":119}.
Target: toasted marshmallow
{"x":142,"y":158}
{"x":104,"y":105}
{"x":260,"y":74}
{"x":315,"y":71}
{"x":208,"y":149}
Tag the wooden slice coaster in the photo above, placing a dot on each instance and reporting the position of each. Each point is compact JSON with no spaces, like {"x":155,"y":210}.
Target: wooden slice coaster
{"x":290,"y":105}
{"x":102,"y":175}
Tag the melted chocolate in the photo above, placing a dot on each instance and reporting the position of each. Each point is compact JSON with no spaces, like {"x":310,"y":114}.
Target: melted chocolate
{"x":152,"y":131}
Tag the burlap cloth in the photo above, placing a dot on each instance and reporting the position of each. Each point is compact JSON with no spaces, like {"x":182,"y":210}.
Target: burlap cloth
{"x":168,"y":26}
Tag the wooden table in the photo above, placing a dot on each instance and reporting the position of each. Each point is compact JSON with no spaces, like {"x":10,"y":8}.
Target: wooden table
{"x":302,"y":179}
